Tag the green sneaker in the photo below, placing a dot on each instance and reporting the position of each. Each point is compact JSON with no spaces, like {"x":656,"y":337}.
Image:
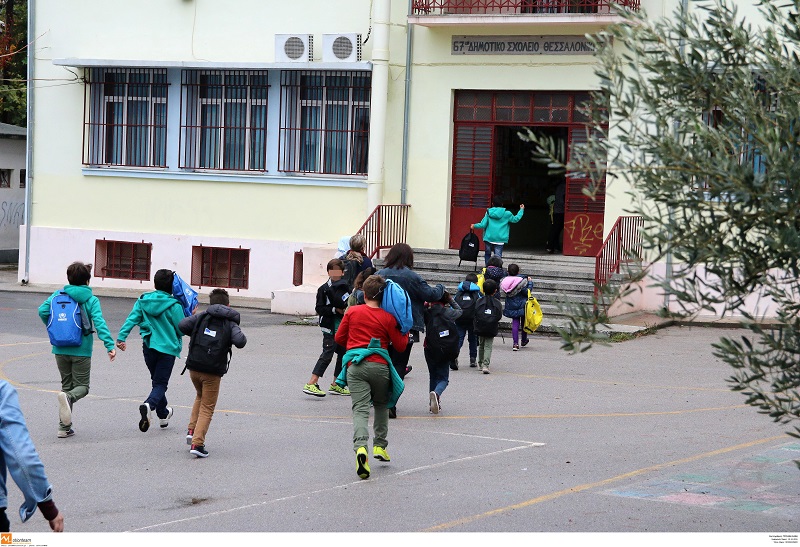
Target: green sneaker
{"x":336,"y":389}
{"x":362,"y":465}
{"x":313,"y":389}
{"x":379,"y":453}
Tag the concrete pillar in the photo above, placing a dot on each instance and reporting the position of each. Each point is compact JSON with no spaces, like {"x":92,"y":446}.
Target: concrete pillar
{"x":380,"y":90}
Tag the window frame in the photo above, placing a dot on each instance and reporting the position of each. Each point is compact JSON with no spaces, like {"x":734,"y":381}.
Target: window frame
{"x":104,"y":254}
{"x":204,"y":267}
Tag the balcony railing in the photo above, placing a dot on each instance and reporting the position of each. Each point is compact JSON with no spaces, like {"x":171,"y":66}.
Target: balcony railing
{"x":386,"y":226}
{"x":519,"y":7}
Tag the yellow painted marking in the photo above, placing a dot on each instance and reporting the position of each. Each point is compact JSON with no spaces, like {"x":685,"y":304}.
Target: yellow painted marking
{"x":613,"y":383}
{"x":23,"y":344}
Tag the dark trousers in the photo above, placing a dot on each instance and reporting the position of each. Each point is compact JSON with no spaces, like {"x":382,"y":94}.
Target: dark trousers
{"x":160,"y":367}
{"x":468,"y":332}
{"x":400,"y":359}
{"x":554,"y":241}
{"x":439,"y":371}
{"x":329,"y":347}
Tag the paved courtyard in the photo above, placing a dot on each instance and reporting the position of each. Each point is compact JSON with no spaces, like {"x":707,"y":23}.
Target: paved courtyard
{"x":641,"y":436}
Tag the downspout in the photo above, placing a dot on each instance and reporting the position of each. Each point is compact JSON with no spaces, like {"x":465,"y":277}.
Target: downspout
{"x":380,"y":90}
{"x":29,"y":139}
{"x":407,"y":106}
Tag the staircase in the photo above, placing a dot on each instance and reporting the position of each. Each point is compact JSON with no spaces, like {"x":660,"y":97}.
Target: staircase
{"x":556,"y":278}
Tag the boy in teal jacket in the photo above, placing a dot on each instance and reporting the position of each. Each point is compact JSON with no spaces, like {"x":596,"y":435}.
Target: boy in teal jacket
{"x":157,"y":314}
{"x":75,"y":363}
{"x":495,"y":225}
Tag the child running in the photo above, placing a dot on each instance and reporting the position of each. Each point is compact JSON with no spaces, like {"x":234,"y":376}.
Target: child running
{"x":516,"y":288}
{"x":467,"y":296}
{"x":488,"y":311}
{"x":441,"y":346}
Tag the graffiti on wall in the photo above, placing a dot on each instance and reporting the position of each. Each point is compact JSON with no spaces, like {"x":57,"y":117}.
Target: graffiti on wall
{"x":584,"y":234}
{"x":12,"y":213}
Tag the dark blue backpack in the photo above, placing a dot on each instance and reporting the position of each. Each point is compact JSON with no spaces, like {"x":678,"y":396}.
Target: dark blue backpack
{"x":186,"y":295}
{"x":396,"y":301}
{"x":65,"y":326}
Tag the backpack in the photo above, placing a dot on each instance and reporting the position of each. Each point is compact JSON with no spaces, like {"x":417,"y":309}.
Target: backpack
{"x":466,"y":300}
{"x":68,"y":323}
{"x":185,"y":294}
{"x":488,"y":312}
{"x":469,"y":249}
{"x":210,"y":345}
{"x":533,"y":315}
{"x":441,"y":334}
{"x":396,"y":301}
{"x":351,"y":268}
{"x":481,"y":279}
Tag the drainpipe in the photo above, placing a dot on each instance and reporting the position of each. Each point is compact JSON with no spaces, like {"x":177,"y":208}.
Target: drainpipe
{"x":380,"y":90}
{"x":29,"y":139}
{"x":407,"y":106}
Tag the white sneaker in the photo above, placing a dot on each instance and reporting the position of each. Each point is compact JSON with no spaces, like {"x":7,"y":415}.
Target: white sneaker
{"x":147,"y":416}
{"x":434,"y":404}
{"x":164,"y":422}
{"x":64,"y":410}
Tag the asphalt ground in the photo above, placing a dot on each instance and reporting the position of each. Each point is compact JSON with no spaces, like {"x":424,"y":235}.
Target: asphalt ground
{"x":642,"y":436}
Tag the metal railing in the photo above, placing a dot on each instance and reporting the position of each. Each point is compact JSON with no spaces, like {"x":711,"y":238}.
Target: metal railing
{"x":386,"y":226}
{"x":623,"y":244}
{"x":524,"y":7}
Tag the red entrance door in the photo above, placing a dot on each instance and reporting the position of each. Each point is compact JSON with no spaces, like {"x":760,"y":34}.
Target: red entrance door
{"x":583,"y":216}
{"x":472,"y":179}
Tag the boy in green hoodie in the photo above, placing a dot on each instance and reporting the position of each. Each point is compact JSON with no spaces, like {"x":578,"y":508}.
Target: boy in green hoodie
{"x":157,"y":314}
{"x":75,"y":363}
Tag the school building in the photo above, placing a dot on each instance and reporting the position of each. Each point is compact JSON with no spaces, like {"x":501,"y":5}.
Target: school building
{"x":219,"y":140}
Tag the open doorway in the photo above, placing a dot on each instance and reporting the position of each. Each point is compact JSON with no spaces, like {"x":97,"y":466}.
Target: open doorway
{"x":519,"y":179}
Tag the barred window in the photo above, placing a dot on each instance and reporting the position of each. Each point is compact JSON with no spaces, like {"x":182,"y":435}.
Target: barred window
{"x":5,"y":178}
{"x":23,"y":178}
{"x":126,"y":117}
{"x":220,"y":267}
{"x":122,"y":259}
{"x":325,"y":121}
{"x":224,"y":119}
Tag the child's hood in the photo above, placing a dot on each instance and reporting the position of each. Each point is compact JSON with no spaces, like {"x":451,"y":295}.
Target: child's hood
{"x":81,"y":293}
{"x":468,"y":286}
{"x":509,"y":283}
{"x":220,"y":310}
{"x":497,"y":213}
{"x":495,"y":272}
{"x":157,"y":302}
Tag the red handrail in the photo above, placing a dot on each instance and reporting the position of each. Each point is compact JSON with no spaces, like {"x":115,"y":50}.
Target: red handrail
{"x":623,"y":243}
{"x":386,"y":226}
{"x":524,"y":7}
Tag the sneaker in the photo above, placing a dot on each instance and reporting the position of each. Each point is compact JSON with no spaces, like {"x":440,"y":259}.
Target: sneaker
{"x":189,"y":436}
{"x":409,"y":368}
{"x":65,"y":434}
{"x":473,"y":363}
{"x":64,"y":409}
{"x":147,"y":416}
{"x":164,"y":422}
{"x":525,"y":342}
{"x":393,"y":412}
{"x":362,"y":462}
{"x":199,"y":450}
{"x":434,"y":403}
{"x":515,"y":347}
{"x":454,"y":364}
{"x":486,"y":369}
{"x":379,"y":453}
{"x":336,"y":389}
{"x":313,"y":389}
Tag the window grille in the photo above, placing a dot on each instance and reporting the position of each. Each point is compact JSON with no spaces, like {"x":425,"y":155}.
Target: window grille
{"x":220,"y":267}
{"x":122,"y":259}
{"x":5,"y":178}
{"x":126,"y":117}
{"x":325,"y":121}
{"x":224,"y":119}
{"x":23,"y":178}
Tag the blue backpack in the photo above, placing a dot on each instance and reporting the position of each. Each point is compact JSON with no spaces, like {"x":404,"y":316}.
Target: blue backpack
{"x":65,"y":326}
{"x":186,"y":295}
{"x":396,"y":301}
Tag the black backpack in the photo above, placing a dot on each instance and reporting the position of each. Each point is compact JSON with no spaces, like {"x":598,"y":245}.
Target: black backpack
{"x":441,"y":334}
{"x":210,"y":345}
{"x":488,"y":312}
{"x":467,"y":301}
{"x":470,"y":249}
{"x":351,"y":271}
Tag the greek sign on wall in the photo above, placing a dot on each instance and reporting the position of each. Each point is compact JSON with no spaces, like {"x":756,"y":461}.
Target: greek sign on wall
{"x":521,"y":45}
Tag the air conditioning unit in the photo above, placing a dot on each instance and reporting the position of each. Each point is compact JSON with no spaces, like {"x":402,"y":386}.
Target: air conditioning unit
{"x":294,"y":48}
{"x":341,"y":48}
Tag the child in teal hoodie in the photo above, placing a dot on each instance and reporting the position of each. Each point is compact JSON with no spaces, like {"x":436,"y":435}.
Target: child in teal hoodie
{"x":495,"y":225}
{"x":75,"y":363}
{"x":157,"y":314}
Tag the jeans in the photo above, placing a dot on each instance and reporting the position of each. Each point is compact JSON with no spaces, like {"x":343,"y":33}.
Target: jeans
{"x":484,"y":351}
{"x":329,"y":347}
{"x":495,"y":249}
{"x":75,"y":373}
{"x":516,"y":324}
{"x":468,"y":331}
{"x":369,"y":381}
{"x":554,"y":237}
{"x":207,"y":388}
{"x":160,"y":367}
{"x":400,"y":359}
{"x":439,"y":371}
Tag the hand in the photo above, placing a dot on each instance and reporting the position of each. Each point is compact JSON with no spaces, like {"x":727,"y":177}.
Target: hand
{"x":57,"y":524}
{"x":111,"y":355}
{"x":522,"y":206}
{"x":194,"y":311}
{"x":340,"y":311}
{"x":471,"y":226}
{"x":121,"y":345}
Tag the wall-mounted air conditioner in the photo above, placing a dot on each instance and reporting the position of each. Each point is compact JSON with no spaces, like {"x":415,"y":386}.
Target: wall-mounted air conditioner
{"x":341,"y":48}
{"x":294,"y":48}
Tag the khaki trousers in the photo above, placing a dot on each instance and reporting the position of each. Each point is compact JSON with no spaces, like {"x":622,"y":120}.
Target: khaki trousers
{"x":207,"y":388}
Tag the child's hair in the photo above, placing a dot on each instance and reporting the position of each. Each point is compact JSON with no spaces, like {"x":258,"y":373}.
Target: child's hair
{"x":496,"y":261}
{"x":497,"y":202}
{"x":335,"y":264}
{"x":163,"y":280}
{"x":79,"y":273}
{"x":359,"y":282}
{"x":489,"y":286}
{"x":373,"y":287}
{"x":357,"y":243}
{"x":513,"y":269}
{"x":471,"y":277}
{"x":219,"y":296}
{"x":400,"y":256}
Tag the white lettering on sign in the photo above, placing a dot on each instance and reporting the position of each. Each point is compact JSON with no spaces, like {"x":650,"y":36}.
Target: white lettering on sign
{"x":521,"y":45}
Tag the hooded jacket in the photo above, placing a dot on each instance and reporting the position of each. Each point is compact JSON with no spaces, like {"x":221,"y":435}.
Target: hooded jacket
{"x":418,"y":291}
{"x":157,"y":314}
{"x":238,"y":338}
{"x":82,"y":294}
{"x":474,"y":292}
{"x":495,"y":224}
{"x":516,"y":289}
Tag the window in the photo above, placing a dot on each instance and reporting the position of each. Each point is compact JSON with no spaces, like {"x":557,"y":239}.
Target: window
{"x":5,"y":178}
{"x":126,"y":118}
{"x":220,"y":267}
{"x":23,"y":178}
{"x":122,"y":259}
{"x":325,"y":122}
{"x":224,"y":119}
